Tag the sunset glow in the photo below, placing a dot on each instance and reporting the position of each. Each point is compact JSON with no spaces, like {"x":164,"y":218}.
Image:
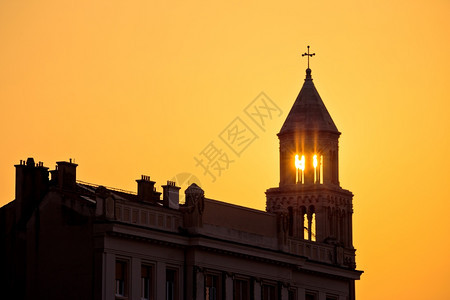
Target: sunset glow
{"x":157,"y":87}
{"x":300,"y":163}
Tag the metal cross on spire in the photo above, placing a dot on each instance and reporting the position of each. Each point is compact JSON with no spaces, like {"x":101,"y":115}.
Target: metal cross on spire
{"x":309,"y":55}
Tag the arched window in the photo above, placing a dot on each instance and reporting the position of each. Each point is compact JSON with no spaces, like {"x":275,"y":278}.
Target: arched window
{"x":304,"y":223}
{"x":299,"y":168}
{"x":321,"y":170}
{"x":318,"y":168}
{"x":313,"y":227}
{"x":309,"y":224}
{"x":305,"y":227}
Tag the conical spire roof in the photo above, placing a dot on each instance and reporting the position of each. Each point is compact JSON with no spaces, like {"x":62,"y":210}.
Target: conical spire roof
{"x":308,"y":112}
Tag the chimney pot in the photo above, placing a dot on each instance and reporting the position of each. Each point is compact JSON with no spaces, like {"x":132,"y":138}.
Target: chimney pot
{"x":31,"y":187}
{"x":171,"y":195}
{"x":146,"y":190}
{"x":67,"y":174}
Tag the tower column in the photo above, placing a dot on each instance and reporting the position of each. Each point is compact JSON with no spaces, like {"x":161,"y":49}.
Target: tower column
{"x":309,"y":169}
{"x":287,"y":165}
{"x":321,"y":223}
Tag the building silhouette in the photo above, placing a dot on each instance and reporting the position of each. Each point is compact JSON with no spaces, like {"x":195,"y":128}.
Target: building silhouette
{"x":66,"y":239}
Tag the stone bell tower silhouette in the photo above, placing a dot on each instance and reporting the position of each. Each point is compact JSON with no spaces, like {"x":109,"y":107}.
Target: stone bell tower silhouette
{"x":309,"y":196}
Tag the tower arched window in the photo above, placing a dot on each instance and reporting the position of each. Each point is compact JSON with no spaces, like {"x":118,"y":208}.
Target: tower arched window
{"x":299,"y":168}
{"x":317,"y":162}
{"x":304,"y":223}
{"x":313,"y":227}
{"x":309,"y":224}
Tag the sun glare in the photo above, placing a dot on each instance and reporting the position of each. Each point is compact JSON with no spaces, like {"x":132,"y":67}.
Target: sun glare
{"x":315,"y":163}
{"x":300,"y":163}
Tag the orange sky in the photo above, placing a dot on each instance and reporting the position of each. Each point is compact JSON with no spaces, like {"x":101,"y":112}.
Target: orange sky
{"x":142,"y":87}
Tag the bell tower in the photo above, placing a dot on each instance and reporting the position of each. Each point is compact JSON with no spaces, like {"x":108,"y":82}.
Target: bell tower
{"x":309,"y":141}
{"x":309,"y":195}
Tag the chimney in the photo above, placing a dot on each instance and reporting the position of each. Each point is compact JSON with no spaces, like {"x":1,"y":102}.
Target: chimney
{"x":65,"y":175}
{"x":31,"y":187}
{"x":146,"y":190}
{"x":171,"y":195}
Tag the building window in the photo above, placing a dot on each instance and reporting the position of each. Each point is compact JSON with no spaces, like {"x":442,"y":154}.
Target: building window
{"x":292,"y":294}
{"x":171,"y":284}
{"x":310,"y":296}
{"x":268,"y":292}
{"x":121,"y":279}
{"x":212,"y":287}
{"x":146,"y":282}
{"x":241,"y":289}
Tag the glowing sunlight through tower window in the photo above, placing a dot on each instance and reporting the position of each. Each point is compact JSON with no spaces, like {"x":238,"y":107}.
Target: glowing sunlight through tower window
{"x":300,"y":166}
{"x":300,"y":163}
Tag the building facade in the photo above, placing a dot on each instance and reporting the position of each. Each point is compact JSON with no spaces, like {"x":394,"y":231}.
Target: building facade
{"x":66,"y":239}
